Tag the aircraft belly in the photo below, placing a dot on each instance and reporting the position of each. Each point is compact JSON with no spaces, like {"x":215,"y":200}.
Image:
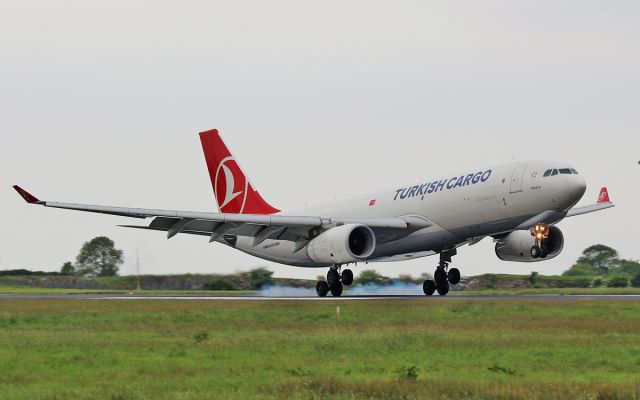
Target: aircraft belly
{"x":429,"y":239}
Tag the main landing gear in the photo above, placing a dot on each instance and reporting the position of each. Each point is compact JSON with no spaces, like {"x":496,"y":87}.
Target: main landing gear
{"x":541,"y":233}
{"x":335,"y":281}
{"x":443,"y":276}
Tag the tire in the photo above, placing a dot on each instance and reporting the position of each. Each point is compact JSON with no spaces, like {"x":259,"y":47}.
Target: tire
{"x":336,"y":290}
{"x":440,"y":276}
{"x":443,"y":289}
{"x":322,"y":288}
{"x":429,"y":287}
{"x":454,"y":276}
{"x":347,"y":277}
{"x":333,"y":277}
{"x":544,"y":251}
{"x":535,"y":251}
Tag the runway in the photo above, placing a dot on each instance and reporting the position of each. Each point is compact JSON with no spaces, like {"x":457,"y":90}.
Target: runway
{"x":453,"y":297}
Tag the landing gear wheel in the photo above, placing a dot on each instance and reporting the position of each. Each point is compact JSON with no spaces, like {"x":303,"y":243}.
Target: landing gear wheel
{"x":347,"y":277}
{"x":333,"y":277}
{"x":536,"y":251}
{"x":440,"y":276}
{"x":429,"y":287}
{"x":544,"y":251}
{"x":454,"y":276}
{"x":336,"y":290}
{"x":443,"y":289}
{"x":322,"y":288}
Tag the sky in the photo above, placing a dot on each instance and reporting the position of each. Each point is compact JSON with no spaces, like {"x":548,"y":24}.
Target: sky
{"x":101,"y":103}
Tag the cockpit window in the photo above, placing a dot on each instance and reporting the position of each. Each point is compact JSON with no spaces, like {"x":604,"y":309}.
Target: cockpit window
{"x":563,"y":171}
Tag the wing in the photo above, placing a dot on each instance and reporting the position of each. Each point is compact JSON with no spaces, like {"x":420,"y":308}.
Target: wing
{"x":603,"y":203}
{"x":261,"y":227}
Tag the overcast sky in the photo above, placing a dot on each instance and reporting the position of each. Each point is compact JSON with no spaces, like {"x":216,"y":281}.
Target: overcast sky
{"x":101,"y":102}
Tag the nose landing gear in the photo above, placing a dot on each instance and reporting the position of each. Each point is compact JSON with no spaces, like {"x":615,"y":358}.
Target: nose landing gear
{"x":335,"y":281}
{"x":541,"y":233}
{"x":443,"y":276}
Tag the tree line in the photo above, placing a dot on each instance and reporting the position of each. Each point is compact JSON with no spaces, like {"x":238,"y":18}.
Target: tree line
{"x":99,"y":257}
{"x":605,"y":265}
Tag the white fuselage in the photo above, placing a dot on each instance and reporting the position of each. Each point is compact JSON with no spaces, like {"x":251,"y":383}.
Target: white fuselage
{"x":459,"y":208}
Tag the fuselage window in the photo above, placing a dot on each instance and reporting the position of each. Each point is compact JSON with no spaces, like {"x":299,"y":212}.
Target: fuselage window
{"x":574,"y":171}
{"x":554,"y":173}
{"x":565,"y":171}
{"x":547,"y":173}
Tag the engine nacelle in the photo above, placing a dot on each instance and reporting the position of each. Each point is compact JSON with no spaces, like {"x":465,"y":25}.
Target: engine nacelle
{"x":342,"y":244}
{"x":516,"y":246}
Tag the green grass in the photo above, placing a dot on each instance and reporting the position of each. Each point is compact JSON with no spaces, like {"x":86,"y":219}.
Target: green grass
{"x":561,"y":291}
{"x":455,"y":349}
{"x":488,"y":292}
{"x":44,"y":291}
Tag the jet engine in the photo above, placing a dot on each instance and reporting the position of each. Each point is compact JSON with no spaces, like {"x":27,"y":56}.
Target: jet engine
{"x":342,"y":244}
{"x":516,"y":246}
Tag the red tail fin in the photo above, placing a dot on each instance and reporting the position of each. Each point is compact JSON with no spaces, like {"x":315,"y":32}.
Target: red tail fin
{"x":234,"y":192}
{"x":604,"y":196}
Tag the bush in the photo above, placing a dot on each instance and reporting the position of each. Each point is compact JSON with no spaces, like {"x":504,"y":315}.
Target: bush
{"x":577,"y":282}
{"x":259,"y":277}
{"x":493,"y":282}
{"x":369,"y":276}
{"x":220,"y":283}
{"x":200,"y":337}
{"x":24,"y":272}
{"x":597,"y":282}
{"x":618,"y":282}
{"x":406,"y":278}
{"x":408,"y":373}
{"x":567,"y":281}
{"x":582,"y":269}
{"x":635,"y":281}
{"x":68,"y":269}
{"x":628,"y":267}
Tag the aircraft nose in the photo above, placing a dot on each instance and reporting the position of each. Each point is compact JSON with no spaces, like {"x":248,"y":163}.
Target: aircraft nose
{"x":577,"y":186}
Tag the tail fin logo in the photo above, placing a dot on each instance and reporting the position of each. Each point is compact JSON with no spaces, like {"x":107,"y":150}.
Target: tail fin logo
{"x":604,"y":196}
{"x":230,"y":187}
{"x":234,"y":192}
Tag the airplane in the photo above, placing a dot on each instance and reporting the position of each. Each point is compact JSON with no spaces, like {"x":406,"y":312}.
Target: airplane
{"x":518,"y":204}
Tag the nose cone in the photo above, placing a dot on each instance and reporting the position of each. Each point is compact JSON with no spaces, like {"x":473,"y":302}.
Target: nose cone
{"x":580,"y":186}
{"x":575,"y":188}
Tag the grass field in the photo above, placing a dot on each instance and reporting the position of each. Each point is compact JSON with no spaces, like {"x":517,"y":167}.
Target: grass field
{"x":534,"y":291}
{"x":30,"y":290}
{"x":455,"y":349}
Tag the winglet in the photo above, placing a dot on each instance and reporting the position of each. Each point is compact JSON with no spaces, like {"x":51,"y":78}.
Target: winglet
{"x":603,"y":197}
{"x":28,"y":197}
